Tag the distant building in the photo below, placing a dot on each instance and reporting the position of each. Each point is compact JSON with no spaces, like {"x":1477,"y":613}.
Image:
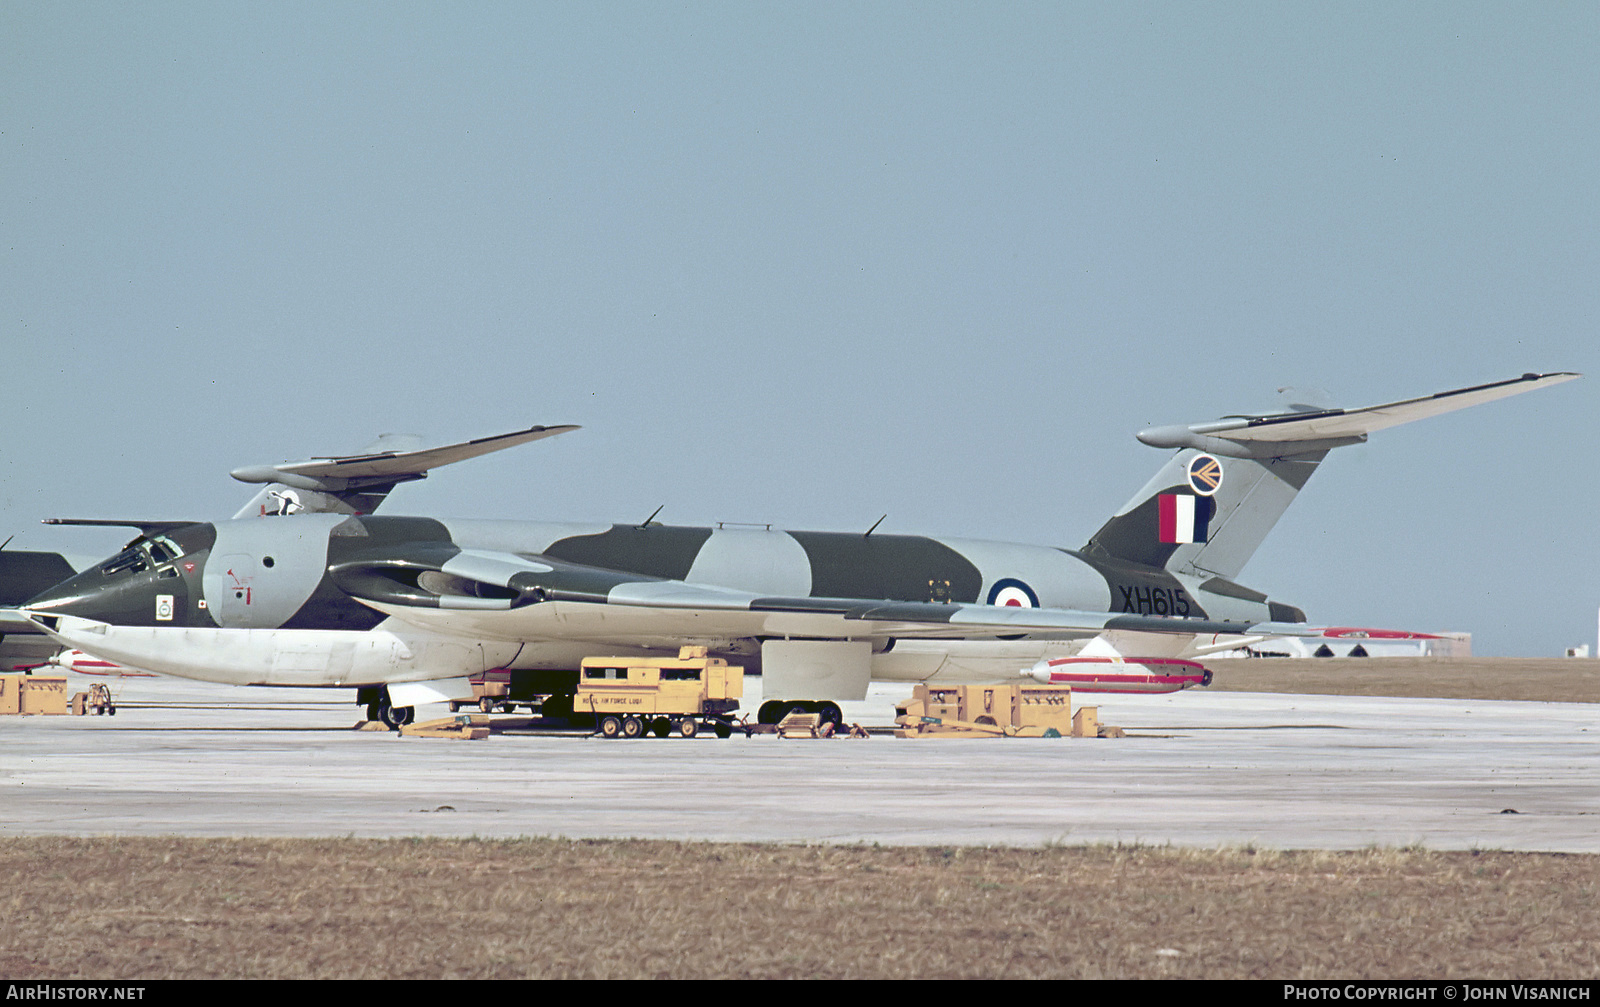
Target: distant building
{"x":1351,"y":642}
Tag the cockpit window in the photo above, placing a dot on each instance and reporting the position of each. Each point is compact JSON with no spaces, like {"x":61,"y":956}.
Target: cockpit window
{"x":130,"y":560}
{"x":141,"y":554}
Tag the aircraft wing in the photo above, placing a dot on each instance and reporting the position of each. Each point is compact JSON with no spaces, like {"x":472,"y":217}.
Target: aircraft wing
{"x":508,"y":597}
{"x":359,"y":483}
{"x":22,"y":646}
{"x":408,"y":463}
{"x":13,"y":620}
{"x":1248,"y":435}
{"x":145,"y":527}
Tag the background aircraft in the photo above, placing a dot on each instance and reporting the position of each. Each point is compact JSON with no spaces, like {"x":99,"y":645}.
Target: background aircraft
{"x":306,"y":587}
{"x":24,"y":574}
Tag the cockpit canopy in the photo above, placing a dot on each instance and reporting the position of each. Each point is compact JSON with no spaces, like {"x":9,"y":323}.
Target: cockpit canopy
{"x":155,"y":549}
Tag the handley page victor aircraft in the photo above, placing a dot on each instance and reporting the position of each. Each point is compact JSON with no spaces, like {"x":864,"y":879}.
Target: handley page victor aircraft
{"x":307,"y":587}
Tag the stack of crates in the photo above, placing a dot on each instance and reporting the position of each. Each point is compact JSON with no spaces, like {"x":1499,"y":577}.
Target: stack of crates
{"x":33,"y":694}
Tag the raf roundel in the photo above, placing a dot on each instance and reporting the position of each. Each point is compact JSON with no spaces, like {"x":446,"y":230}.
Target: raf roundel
{"x":1205,"y":475}
{"x":1013,"y":593}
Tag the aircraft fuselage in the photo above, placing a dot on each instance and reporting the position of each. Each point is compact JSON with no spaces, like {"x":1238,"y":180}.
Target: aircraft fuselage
{"x":177,"y":602}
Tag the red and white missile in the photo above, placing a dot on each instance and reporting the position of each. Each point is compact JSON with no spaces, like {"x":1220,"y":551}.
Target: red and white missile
{"x":87,"y":664}
{"x":1118,"y":674}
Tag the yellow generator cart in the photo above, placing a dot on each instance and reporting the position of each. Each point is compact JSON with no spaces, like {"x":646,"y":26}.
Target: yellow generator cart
{"x":629,"y":695}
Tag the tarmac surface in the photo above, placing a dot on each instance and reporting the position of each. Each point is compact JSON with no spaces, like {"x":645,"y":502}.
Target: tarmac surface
{"x":1201,"y":769}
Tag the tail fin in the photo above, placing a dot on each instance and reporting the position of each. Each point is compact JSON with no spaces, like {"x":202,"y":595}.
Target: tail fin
{"x":1209,"y":508}
{"x":1171,"y":523}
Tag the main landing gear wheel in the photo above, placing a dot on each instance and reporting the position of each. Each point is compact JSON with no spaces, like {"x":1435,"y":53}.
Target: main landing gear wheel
{"x":381,"y":710}
{"x":774,"y":710}
{"x":396,"y":716}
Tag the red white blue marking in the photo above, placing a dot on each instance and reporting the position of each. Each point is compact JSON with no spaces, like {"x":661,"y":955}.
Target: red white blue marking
{"x":1012,"y":593}
{"x":1182,"y":518}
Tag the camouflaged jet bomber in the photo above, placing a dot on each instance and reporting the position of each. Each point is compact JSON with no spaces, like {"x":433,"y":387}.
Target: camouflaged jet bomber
{"x":307,"y":587}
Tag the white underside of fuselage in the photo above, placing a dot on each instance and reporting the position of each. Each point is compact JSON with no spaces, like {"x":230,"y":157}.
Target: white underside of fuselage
{"x":389,"y":653}
{"x":395,"y":652}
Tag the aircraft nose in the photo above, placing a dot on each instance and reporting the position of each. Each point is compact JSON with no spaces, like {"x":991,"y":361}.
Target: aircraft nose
{"x":65,"y":597}
{"x":119,"y":600}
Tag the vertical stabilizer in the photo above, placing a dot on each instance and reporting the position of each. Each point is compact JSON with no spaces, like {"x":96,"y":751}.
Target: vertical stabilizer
{"x":1211,"y":505}
{"x":1203,"y":515}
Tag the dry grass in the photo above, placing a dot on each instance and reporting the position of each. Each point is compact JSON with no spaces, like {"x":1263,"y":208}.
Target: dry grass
{"x":1555,"y":680}
{"x":126,"y":908}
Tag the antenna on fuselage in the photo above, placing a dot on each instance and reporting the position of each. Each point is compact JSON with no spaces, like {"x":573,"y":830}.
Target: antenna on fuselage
{"x":874,"y":527}
{"x":652,"y":517}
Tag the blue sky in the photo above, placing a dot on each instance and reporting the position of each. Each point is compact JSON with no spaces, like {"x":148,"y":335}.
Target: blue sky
{"x":809,"y":264}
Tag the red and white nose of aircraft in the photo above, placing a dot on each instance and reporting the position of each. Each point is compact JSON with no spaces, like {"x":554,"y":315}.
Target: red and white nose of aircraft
{"x":1116,"y":674}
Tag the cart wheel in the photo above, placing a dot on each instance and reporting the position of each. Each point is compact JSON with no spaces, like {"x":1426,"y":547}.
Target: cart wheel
{"x":688,"y":727}
{"x":662,"y":727}
{"x":610,"y":727}
{"x":632,"y":727}
{"x":723,"y":729}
